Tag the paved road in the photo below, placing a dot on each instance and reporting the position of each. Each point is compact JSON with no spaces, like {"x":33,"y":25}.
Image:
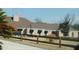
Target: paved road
{"x":7,"y":45}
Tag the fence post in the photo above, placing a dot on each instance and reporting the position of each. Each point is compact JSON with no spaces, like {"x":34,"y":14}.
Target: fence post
{"x":37,"y":39}
{"x":21,"y":37}
{"x":50,"y":39}
{"x":59,"y":42}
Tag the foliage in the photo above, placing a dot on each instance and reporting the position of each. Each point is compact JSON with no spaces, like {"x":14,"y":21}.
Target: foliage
{"x":65,"y":26}
{"x":39,"y":32}
{"x":45,"y":32}
{"x":31,"y":31}
{"x":38,"y":21}
{"x":5,"y":29}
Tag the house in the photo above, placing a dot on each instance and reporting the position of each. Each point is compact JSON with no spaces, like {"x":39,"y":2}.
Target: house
{"x":25,"y":26}
{"x":74,"y":33}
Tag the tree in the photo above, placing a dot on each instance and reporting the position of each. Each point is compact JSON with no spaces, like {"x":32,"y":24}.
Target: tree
{"x":65,"y":26}
{"x":45,"y":32}
{"x":39,"y":32}
{"x":76,"y":47}
{"x":31,"y":31}
{"x":5,"y":29}
{"x":38,"y":21}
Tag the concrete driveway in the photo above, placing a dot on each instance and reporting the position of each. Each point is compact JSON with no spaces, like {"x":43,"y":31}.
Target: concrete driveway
{"x":7,"y":45}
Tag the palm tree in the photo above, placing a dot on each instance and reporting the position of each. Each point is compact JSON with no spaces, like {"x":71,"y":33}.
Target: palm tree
{"x":5,"y":29}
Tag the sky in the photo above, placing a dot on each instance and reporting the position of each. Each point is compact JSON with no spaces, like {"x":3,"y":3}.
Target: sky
{"x":48,"y":15}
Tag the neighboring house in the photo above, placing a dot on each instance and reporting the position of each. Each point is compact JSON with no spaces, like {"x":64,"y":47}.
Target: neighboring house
{"x":74,"y":33}
{"x":24,"y":26}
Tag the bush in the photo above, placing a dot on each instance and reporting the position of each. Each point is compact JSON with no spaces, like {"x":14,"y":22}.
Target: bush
{"x":76,"y":47}
{"x":0,"y":47}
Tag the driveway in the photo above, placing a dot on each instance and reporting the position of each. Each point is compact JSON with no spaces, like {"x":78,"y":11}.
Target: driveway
{"x":7,"y":45}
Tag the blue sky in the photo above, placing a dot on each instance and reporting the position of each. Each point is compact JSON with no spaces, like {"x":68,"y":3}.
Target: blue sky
{"x":48,"y":15}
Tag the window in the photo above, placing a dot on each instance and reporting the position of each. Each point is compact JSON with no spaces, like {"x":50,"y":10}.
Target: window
{"x":19,"y":29}
{"x":72,"y":34}
{"x":56,"y":33}
{"x":53,"y":32}
{"x":65,"y":34}
{"x":12,"y":18}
